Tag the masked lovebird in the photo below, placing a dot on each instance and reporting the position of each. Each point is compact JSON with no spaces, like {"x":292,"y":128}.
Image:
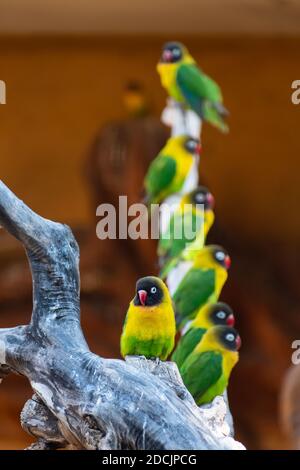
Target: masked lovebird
{"x":193,"y":217}
{"x":201,"y":280}
{"x":149,"y":329}
{"x":207,"y":369}
{"x":169,"y":171}
{"x":208,"y":316}
{"x":134,"y":100}
{"x":186,"y":83}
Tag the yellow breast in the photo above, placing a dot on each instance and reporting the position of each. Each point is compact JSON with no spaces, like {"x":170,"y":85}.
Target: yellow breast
{"x":184,"y":161}
{"x":230,"y":359}
{"x":167,"y":74}
{"x":150,"y":322}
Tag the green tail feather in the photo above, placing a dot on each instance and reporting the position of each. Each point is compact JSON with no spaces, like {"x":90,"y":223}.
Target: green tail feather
{"x":212,"y":115}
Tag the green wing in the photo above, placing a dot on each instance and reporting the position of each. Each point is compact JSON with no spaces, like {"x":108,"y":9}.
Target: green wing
{"x":192,"y":80}
{"x":160,"y":175}
{"x":194,"y":291}
{"x":202,"y":94}
{"x":187,"y":344}
{"x":182,"y":230}
{"x":200,"y":372}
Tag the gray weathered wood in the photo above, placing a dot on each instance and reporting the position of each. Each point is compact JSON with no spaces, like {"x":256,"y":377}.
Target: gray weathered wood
{"x":80,"y":399}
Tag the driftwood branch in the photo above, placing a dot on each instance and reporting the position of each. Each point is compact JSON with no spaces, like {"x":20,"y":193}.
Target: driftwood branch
{"x":81,"y":400}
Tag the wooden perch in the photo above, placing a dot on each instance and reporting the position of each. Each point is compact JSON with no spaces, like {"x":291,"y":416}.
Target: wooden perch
{"x":80,"y":399}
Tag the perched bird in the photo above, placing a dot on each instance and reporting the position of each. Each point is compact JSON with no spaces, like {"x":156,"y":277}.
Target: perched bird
{"x":149,"y":329}
{"x":135,"y":100}
{"x":169,"y":171}
{"x":207,"y":369}
{"x":208,"y":316}
{"x":200,"y":281}
{"x":187,"y":84}
{"x":194,"y":217}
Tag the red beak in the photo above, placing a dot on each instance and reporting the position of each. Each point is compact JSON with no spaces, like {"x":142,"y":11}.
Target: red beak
{"x":227,"y":262}
{"x":198,"y":149}
{"x":142,"y":296}
{"x":230,"y":320}
{"x":238,"y":342}
{"x":167,"y":56}
{"x":210,"y":200}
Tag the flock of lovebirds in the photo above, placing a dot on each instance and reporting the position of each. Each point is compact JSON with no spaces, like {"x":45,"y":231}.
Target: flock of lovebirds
{"x":194,"y":272}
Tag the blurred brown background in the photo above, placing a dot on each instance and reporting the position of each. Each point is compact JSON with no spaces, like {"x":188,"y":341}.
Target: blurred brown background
{"x":64,"y":116}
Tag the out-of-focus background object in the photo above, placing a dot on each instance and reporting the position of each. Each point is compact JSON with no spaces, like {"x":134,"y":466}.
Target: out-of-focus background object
{"x":79,"y":128}
{"x":290,"y":405}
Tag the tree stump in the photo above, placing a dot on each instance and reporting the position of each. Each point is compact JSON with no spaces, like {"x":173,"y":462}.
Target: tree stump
{"x":81,"y":400}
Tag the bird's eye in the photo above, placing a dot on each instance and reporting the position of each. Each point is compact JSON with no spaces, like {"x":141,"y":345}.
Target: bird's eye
{"x":176,"y":52}
{"x":199,"y":197}
{"x":153,"y":290}
{"x":221,"y":315}
{"x":190,"y":146}
{"x":220,"y":256}
{"x":230,"y":337}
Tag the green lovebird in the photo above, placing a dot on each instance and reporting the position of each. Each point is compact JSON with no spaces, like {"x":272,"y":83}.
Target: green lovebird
{"x":208,"y":316}
{"x":201,"y":283}
{"x":193,"y":217}
{"x":170,"y":169}
{"x":187,"y":84}
{"x":207,"y":369}
{"x":149,"y":328}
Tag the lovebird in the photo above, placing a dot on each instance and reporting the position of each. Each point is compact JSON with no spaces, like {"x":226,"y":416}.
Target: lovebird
{"x":207,"y":369}
{"x":186,"y":83}
{"x":201,"y":282}
{"x":149,"y":328}
{"x":193,"y":217}
{"x":134,"y":100}
{"x":208,"y":316}
{"x":169,"y":171}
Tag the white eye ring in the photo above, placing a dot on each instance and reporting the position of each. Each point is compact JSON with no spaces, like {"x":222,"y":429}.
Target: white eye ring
{"x":230,"y":337}
{"x":153,"y":290}
{"x":220,"y":256}
{"x":221,"y":314}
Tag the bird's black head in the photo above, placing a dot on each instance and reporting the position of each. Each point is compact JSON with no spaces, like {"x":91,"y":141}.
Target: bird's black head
{"x":192,"y":145}
{"x":228,"y":338}
{"x":221,"y":256}
{"x":149,"y":292}
{"x":201,"y":195}
{"x":172,"y":52}
{"x":221,"y":314}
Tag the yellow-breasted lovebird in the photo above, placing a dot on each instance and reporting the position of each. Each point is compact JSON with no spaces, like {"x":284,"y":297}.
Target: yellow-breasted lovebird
{"x":207,"y":369}
{"x":149,"y":328}
{"x":193,"y":217}
{"x":186,"y":83}
{"x":203,"y":274}
{"x":208,"y":316}
{"x":169,"y":171}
